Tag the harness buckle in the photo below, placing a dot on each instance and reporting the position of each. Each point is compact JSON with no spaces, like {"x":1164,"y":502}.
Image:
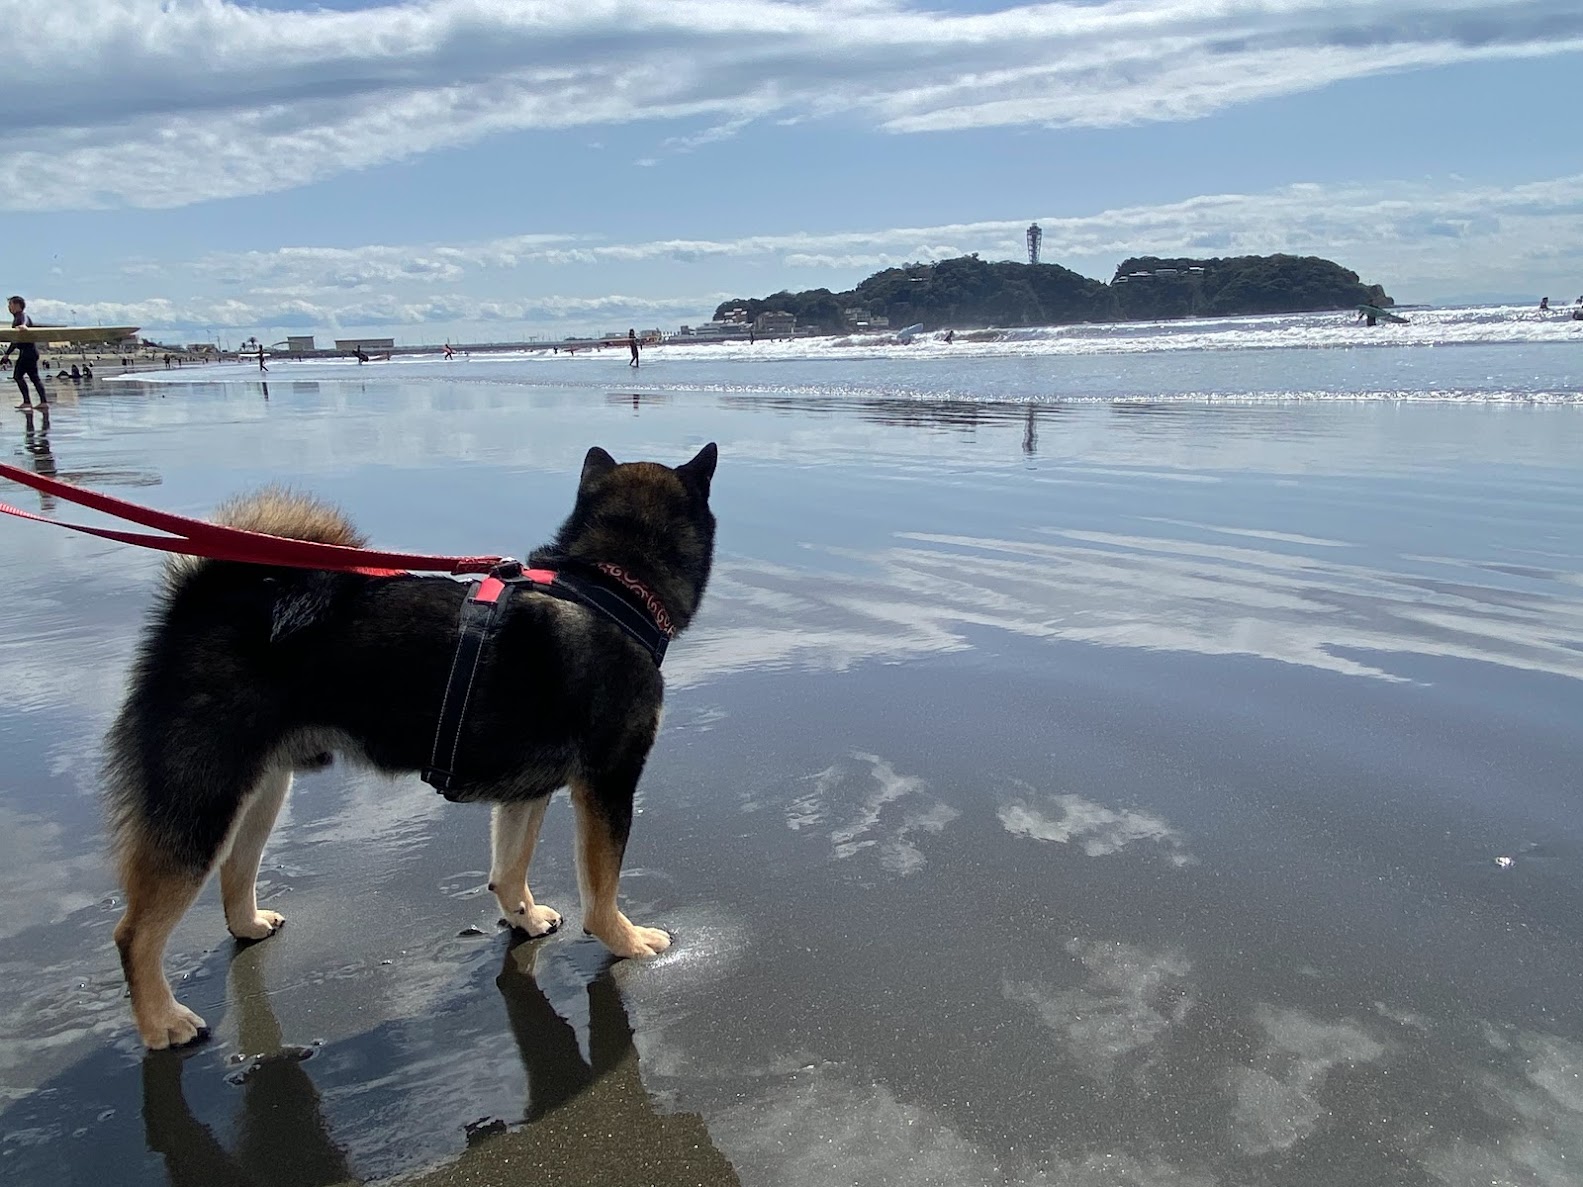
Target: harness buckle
{"x":508,"y":569}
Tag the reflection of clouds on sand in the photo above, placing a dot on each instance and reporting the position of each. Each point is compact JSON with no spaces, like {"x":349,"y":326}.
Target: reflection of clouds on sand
{"x":817,"y":1128}
{"x":1540,"y":1092}
{"x":762,"y":615}
{"x":1068,"y":819}
{"x":372,"y":807}
{"x":1295,"y":602}
{"x":875,"y":809}
{"x":1277,"y":1102}
{"x":64,"y":655}
{"x":1131,"y":998}
{"x":39,"y":882}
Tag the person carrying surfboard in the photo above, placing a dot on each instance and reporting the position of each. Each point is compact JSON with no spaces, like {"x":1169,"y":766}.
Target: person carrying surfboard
{"x":26,"y":356}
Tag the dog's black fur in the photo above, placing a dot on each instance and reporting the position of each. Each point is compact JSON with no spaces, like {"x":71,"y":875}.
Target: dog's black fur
{"x":248,"y":672}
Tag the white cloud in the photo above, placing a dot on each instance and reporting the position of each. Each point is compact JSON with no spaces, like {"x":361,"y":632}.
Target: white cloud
{"x":1536,"y":1095}
{"x":1314,"y":608}
{"x":1131,"y":998}
{"x":877,"y":809}
{"x":1422,"y":239}
{"x":1278,"y":1099}
{"x":819,"y":1127}
{"x":1099,"y":831}
{"x":175,"y":101}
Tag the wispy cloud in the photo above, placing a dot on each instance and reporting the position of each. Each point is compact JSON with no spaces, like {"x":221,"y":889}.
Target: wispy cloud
{"x":261,"y":310}
{"x":1425,"y":240}
{"x":169,"y":102}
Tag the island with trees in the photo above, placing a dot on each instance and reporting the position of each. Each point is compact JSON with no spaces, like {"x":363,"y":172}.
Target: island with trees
{"x":967,"y":292}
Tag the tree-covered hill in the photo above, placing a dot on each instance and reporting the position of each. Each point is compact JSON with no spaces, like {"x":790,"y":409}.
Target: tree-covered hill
{"x":1149,"y":287}
{"x":967,"y":291}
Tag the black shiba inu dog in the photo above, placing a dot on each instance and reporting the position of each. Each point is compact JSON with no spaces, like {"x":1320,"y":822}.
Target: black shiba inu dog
{"x":249,"y":672}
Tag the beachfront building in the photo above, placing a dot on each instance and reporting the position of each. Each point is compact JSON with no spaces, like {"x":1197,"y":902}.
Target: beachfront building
{"x":778,"y":322}
{"x":297,"y":343}
{"x":365,"y":344}
{"x":861,"y":321}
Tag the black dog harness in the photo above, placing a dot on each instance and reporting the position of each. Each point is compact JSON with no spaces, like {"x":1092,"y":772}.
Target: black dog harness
{"x":605,"y":589}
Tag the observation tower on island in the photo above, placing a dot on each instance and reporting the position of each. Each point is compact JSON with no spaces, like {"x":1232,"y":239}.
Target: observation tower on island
{"x":1035,"y":237}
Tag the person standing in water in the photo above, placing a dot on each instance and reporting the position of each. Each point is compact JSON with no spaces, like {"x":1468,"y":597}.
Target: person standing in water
{"x":632,"y":345}
{"x":26,"y":356}
{"x":261,"y":365}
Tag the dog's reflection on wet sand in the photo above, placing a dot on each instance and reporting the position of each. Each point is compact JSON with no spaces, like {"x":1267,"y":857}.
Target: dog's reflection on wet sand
{"x":574,"y":1103}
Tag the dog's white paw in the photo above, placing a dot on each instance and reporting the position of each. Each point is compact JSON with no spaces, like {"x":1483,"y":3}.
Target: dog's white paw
{"x":263,"y":923}
{"x":648,"y":941}
{"x":171,"y":1025}
{"x":537,"y":920}
{"x":625,"y":938}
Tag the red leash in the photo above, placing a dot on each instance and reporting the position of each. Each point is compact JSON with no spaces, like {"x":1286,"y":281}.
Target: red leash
{"x":196,"y":537}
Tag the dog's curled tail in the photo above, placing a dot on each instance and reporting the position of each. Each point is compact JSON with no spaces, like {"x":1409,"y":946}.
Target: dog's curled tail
{"x":275,"y":511}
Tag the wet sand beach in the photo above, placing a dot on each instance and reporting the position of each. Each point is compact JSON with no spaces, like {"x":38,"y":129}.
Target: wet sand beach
{"x":1049,"y":793}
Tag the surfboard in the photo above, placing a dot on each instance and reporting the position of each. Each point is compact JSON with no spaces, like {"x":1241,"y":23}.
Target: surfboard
{"x":904,"y":335}
{"x":67,"y":333}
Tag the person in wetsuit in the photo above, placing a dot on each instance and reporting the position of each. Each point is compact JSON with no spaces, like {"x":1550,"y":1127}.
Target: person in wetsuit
{"x":632,"y":344}
{"x":26,"y":356}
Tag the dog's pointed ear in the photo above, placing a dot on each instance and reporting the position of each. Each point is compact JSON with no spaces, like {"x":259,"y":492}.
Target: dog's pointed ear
{"x":597,"y":464}
{"x":701,"y":469}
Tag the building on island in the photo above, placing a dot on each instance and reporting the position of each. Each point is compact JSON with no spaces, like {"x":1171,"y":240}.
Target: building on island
{"x":778,"y":322}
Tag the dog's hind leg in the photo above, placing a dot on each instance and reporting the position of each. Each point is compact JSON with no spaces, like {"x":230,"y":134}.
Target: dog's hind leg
{"x":244,"y":850}
{"x":604,"y":818}
{"x":513,"y":833}
{"x":156,"y":899}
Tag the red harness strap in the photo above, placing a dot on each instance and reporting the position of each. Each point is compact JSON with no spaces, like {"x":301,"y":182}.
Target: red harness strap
{"x":197,"y":537}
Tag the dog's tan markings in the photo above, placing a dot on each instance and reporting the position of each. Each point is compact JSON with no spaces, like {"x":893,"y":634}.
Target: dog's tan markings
{"x":513,"y":833}
{"x":155,"y":902}
{"x":599,"y":877}
{"x":243,"y":851}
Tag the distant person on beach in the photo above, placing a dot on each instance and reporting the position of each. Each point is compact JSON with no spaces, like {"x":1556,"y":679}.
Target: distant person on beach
{"x":26,"y":356}
{"x":632,"y":345}
{"x":950,"y":335}
{"x":362,"y":356}
{"x":261,"y":365}
{"x":449,"y":353}
{"x":1544,"y":304}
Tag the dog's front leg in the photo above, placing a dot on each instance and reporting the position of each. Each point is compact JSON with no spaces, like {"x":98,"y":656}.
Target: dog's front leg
{"x":513,"y":833}
{"x":244,"y":850}
{"x":604,"y":818}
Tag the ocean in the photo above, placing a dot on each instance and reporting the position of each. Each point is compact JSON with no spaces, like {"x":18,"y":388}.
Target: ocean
{"x":1126,"y":756}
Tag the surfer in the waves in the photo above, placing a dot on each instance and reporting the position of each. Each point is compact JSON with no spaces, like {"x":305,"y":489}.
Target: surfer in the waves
{"x":26,"y":356}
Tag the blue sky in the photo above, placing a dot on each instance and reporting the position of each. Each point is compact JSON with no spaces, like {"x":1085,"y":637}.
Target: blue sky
{"x":494,"y":169}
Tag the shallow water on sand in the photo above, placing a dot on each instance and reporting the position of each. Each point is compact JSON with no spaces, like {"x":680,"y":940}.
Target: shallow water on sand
{"x":1092,"y":794}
